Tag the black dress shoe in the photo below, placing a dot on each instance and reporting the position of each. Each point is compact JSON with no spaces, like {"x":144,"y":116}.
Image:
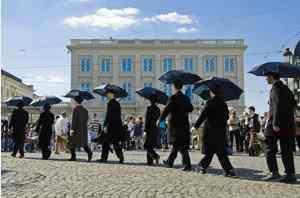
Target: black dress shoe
{"x":187,"y":168}
{"x":291,"y":178}
{"x":13,"y":155}
{"x":202,"y":170}
{"x":167,"y":163}
{"x":72,"y":159}
{"x":102,"y":160}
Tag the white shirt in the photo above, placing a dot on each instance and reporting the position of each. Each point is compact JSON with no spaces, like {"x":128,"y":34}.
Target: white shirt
{"x":61,"y":126}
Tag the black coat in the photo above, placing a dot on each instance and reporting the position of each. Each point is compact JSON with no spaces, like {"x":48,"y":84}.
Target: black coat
{"x":113,"y":121}
{"x":178,"y":108}
{"x":281,"y":110}
{"x":214,"y":115}
{"x":18,"y":122}
{"x":44,"y":128}
{"x":151,"y":118}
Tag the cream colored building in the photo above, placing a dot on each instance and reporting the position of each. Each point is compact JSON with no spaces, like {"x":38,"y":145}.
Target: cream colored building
{"x":137,"y":63}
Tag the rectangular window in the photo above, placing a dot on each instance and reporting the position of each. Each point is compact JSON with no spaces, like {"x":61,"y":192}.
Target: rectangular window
{"x":167,"y":89}
{"x":147,"y":63}
{"x":229,"y":63}
{"x":210,"y":64}
{"x":85,"y":63}
{"x":188,"y":64}
{"x":105,"y":64}
{"x":128,"y":87}
{"x":167,"y":64}
{"x":85,"y":86}
{"x":126,"y":64}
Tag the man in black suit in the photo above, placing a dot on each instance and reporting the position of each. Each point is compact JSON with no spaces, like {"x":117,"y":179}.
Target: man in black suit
{"x":113,"y":129}
{"x":17,"y":126}
{"x":280,"y":126}
{"x":178,"y":107}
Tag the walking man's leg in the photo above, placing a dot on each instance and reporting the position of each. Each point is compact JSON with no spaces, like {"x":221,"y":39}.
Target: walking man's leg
{"x":271,"y":150}
{"x":119,"y":152}
{"x":172,"y":156}
{"x":225,"y":163}
{"x":288,"y":158}
{"x":186,"y":161}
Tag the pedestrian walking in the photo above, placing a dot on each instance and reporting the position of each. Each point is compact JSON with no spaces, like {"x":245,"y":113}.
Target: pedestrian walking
{"x":61,"y":130}
{"x":215,"y":115}
{"x":17,"y":127}
{"x":234,"y":131}
{"x":138,"y":132}
{"x":79,"y":132}
{"x":178,"y":109}
{"x":151,"y":129}
{"x":113,"y":128}
{"x":254,"y":148}
{"x":280,"y":127}
{"x":44,"y":129}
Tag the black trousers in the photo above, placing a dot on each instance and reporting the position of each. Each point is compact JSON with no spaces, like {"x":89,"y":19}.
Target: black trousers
{"x":151,"y":155}
{"x":18,"y":146}
{"x":73,"y":151}
{"x":186,"y":161}
{"x":46,"y":152}
{"x":286,"y":145}
{"x":223,"y":159}
{"x":106,"y":147}
{"x":236,"y":135}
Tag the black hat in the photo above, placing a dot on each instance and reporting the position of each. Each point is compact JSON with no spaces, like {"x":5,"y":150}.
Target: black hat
{"x":78,"y":99}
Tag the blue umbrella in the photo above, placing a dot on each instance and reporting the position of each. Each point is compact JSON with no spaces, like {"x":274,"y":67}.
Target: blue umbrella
{"x":14,"y":101}
{"x":230,"y":90}
{"x":116,"y":90}
{"x":185,"y":77}
{"x":86,"y":95}
{"x":285,"y":70}
{"x":147,"y":93}
{"x":51,"y":100}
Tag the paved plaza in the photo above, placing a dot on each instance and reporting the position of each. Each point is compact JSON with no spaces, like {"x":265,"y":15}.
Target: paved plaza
{"x":33,"y":177}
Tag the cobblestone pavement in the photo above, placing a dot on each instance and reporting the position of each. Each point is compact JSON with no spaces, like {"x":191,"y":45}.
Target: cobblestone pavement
{"x":33,"y":177}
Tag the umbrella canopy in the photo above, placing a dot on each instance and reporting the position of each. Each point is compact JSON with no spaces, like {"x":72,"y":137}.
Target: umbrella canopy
{"x":285,"y":70}
{"x":230,"y":90}
{"x":51,"y":100}
{"x":86,"y":95}
{"x":116,"y":90}
{"x":147,"y":93}
{"x":185,"y":77}
{"x":14,"y":101}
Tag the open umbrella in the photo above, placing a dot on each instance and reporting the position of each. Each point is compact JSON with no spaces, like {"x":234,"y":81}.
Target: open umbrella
{"x":285,"y":70}
{"x":86,"y":95}
{"x":51,"y":100}
{"x":147,"y":92}
{"x":230,"y":90}
{"x":118,"y":91}
{"x":14,"y":101}
{"x":185,"y":77}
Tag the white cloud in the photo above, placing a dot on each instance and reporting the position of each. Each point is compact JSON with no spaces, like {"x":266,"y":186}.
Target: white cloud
{"x":115,"y":19}
{"x":186,"y":30}
{"x":171,"y":17}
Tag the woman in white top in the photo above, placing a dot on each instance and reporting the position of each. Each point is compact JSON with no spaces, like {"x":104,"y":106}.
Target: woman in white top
{"x":61,"y":129}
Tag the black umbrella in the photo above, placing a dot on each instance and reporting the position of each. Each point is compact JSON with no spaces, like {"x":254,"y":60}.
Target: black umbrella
{"x":14,"y":101}
{"x":51,"y":100}
{"x":116,"y":90}
{"x":230,"y":90}
{"x":285,"y":70}
{"x":147,"y":93}
{"x":86,"y":95}
{"x":185,"y":77}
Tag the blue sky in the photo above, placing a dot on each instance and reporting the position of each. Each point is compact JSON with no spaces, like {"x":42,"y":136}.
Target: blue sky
{"x":35,"y":32}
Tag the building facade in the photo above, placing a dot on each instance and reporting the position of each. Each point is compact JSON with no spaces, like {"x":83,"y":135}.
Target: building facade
{"x":294,"y":83}
{"x":136,"y":63}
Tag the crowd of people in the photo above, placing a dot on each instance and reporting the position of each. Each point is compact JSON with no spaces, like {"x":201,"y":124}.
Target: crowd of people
{"x":218,"y":130}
